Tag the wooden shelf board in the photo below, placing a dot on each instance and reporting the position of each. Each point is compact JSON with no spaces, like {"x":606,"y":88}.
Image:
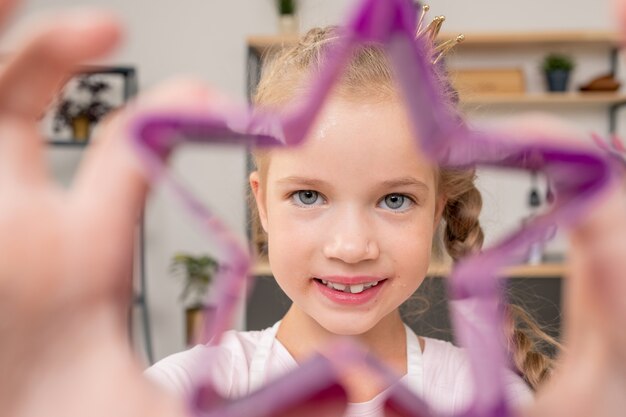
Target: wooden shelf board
{"x":552,"y":270}
{"x":546,"y":98}
{"x":538,"y":38}
{"x":261,"y":43}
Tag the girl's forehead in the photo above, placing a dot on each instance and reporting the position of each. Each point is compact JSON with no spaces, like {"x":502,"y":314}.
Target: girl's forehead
{"x":350,"y":137}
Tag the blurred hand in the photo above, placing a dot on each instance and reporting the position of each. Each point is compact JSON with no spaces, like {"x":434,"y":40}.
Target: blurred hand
{"x":66,"y":255}
{"x":590,"y":378}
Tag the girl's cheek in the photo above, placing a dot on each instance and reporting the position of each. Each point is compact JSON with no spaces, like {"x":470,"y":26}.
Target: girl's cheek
{"x":293,"y":225}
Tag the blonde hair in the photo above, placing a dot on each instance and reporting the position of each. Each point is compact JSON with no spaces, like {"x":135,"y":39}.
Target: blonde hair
{"x":369,"y":75}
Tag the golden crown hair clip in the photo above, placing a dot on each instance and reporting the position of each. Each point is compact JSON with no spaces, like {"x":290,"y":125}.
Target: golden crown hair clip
{"x":432,"y":31}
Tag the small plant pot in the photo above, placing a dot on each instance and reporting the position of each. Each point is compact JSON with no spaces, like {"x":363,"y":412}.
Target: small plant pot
{"x":288,"y":24}
{"x":80,"y":128}
{"x":557,"y":80}
{"x":196,"y":318}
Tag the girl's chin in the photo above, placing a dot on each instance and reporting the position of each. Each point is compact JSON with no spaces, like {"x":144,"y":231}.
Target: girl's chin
{"x":343,"y":327}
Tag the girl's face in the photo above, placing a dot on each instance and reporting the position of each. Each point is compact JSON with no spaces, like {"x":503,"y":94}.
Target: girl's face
{"x":350,"y":215}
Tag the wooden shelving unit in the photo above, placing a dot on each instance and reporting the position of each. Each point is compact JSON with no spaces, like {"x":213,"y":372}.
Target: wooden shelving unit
{"x":259,"y":46}
{"x":548,"y":270}
{"x":539,"y":284}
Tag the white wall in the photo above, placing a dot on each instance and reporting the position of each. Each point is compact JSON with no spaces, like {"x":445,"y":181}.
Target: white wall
{"x":207,"y":38}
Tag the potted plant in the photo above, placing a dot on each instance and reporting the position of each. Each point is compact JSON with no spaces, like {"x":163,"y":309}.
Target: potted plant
{"x":81,"y":110}
{"x":198,"y":273}
{"x":557,"y":68}
{"x":288,"y":23}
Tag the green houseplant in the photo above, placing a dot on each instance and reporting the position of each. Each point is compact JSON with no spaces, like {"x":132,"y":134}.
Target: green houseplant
{"x":197,"y":273}
{"x":288,"y":21}
{"x":287,"y":7}
{"x":557,"y":69}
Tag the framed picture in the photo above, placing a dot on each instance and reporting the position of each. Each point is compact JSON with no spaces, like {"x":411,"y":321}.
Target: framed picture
{"x":85,"y":100}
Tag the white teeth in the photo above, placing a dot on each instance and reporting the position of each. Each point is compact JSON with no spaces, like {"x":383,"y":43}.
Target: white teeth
{"x":336,"y":286}
{"x":355,"y":289}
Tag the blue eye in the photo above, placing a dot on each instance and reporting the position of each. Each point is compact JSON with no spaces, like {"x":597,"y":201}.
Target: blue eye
{"x":397,"y":202}
{"x":306,"y":197}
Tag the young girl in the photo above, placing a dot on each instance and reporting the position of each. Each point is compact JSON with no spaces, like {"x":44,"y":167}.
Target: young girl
{"x":351,"y":217}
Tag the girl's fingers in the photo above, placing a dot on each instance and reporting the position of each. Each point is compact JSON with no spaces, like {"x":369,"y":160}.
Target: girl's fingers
{"x":111,"y":174}
{"x":16,"y":160}
{"x":6,"y":9}
{"x":33,"y":73}
{"x":597,"y":288}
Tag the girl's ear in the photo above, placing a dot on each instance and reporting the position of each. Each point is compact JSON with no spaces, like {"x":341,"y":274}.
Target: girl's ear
{"x":259,"y":197}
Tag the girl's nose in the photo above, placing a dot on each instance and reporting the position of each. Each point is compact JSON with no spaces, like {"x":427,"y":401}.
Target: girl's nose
{"x":351,"y":242}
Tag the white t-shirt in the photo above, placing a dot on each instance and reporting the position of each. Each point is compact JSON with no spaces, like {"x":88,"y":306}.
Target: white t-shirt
{"x":244,"y":361}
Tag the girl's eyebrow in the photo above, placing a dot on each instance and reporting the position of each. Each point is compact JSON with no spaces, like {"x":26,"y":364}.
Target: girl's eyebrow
{"x":302,"y":180}
{"x":396,"y":182}
{"x":405,"y":181}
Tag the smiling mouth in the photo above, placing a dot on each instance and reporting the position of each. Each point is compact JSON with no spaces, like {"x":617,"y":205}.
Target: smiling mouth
{"x":350,"y":289}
